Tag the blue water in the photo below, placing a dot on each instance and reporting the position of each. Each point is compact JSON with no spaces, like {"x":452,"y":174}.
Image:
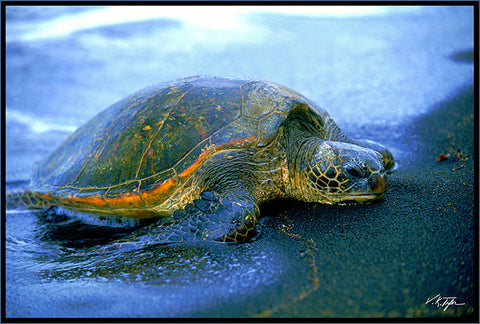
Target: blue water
{"x":372,"y":68}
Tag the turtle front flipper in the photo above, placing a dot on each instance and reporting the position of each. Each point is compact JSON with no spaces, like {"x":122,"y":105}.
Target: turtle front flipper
{"x":226,"y":217}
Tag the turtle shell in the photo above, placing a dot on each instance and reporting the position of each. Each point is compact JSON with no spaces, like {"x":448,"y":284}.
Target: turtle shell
{"x":136,"y":153}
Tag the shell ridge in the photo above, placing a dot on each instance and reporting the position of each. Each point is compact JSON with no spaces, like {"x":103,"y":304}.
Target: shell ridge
{"x":186,"y":154}
{"x":281,"y":103}
{"x":109,"y":187}
{"x":158,"y":173}
{"x":243,"y":98}
{"x":156,"y":133}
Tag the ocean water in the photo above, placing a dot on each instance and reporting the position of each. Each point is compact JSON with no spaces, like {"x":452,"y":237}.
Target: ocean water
{"x":373,"y":68}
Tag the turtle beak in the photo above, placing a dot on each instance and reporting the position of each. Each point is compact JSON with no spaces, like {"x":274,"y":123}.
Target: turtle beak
{"x":378,"y":183}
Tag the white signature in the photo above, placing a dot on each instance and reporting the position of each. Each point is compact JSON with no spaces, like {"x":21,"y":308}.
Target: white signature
{"x":444,"y":302}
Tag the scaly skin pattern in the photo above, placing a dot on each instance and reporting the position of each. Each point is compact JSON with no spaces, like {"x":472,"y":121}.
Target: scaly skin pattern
{"x":204,"y":153}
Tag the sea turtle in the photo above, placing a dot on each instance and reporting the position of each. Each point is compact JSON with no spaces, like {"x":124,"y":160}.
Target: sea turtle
{"x":201,"y":153}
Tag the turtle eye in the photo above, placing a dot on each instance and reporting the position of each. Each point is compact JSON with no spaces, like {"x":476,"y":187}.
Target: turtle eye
{"x":353,"y":170}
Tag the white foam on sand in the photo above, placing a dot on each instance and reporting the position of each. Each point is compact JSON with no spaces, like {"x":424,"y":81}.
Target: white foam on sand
{"x":97,"y":220}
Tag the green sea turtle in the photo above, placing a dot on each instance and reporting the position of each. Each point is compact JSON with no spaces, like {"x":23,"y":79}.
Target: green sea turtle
{"x":202,"y":153}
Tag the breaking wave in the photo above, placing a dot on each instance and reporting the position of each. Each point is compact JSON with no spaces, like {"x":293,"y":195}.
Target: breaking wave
{"x":36,"y":124}
{"x":218,"y":18}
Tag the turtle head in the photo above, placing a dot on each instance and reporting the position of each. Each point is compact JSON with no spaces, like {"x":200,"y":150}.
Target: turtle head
{"x":339,"y":172}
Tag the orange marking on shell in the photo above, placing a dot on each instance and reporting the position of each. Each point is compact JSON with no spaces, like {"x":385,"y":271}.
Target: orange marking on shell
{"x":202,"y":132}
{"x":205,"y":154}
{"x":125,"y":200}
{"x":200,"y":128}
{"x":240,"y":142}
{"x":116,"y":146}
{"x":45,"y":196}
{"x":168,"y":129}
{"x":159,"y":193}
{"x":89,"y":200}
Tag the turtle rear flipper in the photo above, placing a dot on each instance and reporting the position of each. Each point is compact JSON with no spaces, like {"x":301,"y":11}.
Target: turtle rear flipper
{"x":26,"y":199}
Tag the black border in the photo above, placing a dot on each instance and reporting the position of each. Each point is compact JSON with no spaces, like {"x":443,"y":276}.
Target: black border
{"x":472,"y":318}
